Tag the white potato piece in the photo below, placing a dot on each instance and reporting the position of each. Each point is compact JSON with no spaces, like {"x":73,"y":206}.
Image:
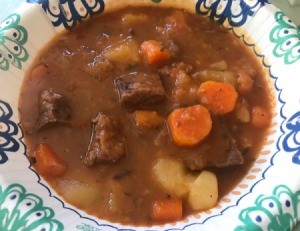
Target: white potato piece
{"x":132,"y":19}
{"x":172,"y":176}
{"x":125,"y":53}
{"x":79,"y":193}
{"x":204,"y":191}
{"x":213,"y":75}
{"x":219,"y":66}
{"x":242,"y":111}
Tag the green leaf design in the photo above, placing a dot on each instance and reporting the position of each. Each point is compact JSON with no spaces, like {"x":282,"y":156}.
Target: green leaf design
{"x":156,"y":1}
{"x":13,"y":37}
{"x":278,"y":211}
{"x":4,"y":64}
{"x":286,"y":36}
{"x":25,"y":211}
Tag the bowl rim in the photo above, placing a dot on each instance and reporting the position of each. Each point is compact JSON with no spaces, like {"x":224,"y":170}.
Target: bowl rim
{"x":284,"y":120}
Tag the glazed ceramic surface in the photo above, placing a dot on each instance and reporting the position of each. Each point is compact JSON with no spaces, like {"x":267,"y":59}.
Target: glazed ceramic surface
{"x":269,"y":196}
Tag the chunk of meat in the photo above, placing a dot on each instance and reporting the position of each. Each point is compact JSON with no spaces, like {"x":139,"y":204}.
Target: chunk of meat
{"x":107,"y":142}
{"x":52,"y":107}
{"x":175,"y":76}
{"x":169,"y":74}
{"x":139,"y":89}
{"x":234,"y":155}
{"x":179,"y":84}
{"x":226,"y":154}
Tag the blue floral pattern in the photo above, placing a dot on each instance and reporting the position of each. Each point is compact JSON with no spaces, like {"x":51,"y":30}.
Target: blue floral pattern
{"x":8,"y":131}
{"x":291,"y":141}
{"x":70,"y":12}
{"x":235,"y":11}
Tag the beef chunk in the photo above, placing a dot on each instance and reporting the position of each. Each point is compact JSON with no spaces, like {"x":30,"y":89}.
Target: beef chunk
{"x":106,"y":141}
{"x":52,"y":108}
{"x":139,"y":89}
{"x":231,"y":156}
{"x":225,"y":154}
{"x":234,"y":155}
{"x":172,"y":75}
{"x":178,"y":83}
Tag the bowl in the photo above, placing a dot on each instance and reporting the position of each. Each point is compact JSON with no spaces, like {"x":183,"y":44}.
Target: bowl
{"x":268,"y":198}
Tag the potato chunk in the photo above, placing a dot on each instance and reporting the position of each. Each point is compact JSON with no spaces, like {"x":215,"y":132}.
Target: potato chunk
{"x":74,"y":191}
{"x":147,"y":119}
{"x":172,"y":176}
{"x":204,"y":191}
{"x":201,"y":192}
{"x":133,"y":19}
{"x":125,"y":54}
{"x":218,"y":76}
{"x":242,"y":112}
{"x":219,"y":66}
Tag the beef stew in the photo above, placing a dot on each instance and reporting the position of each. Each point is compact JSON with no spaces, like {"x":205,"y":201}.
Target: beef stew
{"x":131,"y":115}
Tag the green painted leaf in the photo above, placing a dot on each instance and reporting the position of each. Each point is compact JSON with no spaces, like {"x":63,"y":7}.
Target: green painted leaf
{"x":4,"y":64}
{"x":286,"y":37}
{"x":25,"y":211}
{"x":278,"y":211}
{"x":13,"y":37}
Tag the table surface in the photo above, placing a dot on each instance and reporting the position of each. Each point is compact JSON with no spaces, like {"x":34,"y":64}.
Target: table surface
{"x":8,"y":6}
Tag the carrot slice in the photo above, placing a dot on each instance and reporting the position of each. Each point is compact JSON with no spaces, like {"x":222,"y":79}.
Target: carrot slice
{"x":167,"y":210}
{"x":47,"y":163}
{"x":219,"y":98}
{"x":154,"y":52}
{"x":260,"y":117}
{"x":188,"y":126}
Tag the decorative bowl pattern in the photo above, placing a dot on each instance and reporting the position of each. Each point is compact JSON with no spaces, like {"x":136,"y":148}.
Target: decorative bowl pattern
{"x":269,"y":196}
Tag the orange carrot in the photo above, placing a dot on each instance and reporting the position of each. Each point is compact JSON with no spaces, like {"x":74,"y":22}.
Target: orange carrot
{"x":188,"y":126}
{"x":219,"y":98}
{"x":167,"y":210}
{"x":244,"y":82}
{"x":260,"y":117}
{"x":47,"y":163}
{"x":154,"y":52}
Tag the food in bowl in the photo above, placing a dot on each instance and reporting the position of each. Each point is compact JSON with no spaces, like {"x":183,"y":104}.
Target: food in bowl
{"x":144,"y":115}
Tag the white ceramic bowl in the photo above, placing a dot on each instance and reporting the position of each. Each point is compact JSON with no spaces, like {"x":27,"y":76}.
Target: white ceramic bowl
{"x":269,"y":196}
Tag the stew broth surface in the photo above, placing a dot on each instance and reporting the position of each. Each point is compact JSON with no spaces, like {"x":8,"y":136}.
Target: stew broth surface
{"x":125,"y":190}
